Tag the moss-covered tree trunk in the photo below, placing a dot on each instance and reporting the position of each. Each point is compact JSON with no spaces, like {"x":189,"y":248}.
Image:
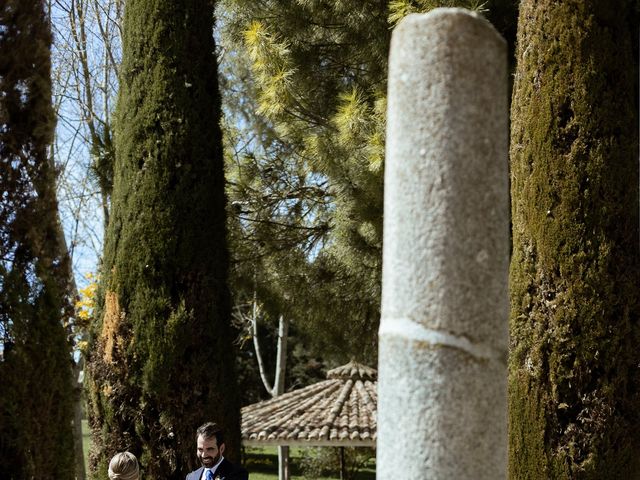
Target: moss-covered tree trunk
{"x":36,"y":439}
{"x":574,"y":377}
{"x":162,"y":360}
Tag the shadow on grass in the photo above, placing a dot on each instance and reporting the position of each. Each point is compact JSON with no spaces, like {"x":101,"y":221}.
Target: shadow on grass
{"x":256,"y":461}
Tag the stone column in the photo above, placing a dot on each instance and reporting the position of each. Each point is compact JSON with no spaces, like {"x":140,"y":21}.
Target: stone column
{"x":442,"y":391}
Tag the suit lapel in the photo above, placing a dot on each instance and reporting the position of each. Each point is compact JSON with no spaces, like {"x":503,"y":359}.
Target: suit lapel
{"x":222,"y":469}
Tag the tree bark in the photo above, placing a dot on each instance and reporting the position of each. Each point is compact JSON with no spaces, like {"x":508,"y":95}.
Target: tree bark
{"x":573,"y":385}
{"x":278,"y":383}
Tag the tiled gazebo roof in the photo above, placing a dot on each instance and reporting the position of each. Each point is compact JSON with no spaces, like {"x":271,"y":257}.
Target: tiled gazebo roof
{"x":339,"y":411}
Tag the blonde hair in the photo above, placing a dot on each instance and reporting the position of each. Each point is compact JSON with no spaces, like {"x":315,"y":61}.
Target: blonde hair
{"x":124,"y":466}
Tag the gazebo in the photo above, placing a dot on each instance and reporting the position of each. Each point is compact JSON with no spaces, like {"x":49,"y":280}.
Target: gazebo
{"x":337,"y":412}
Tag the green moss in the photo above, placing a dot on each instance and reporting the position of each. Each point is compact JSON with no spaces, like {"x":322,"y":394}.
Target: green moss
{"x":163,"y":342}
{"x":574,"y":309}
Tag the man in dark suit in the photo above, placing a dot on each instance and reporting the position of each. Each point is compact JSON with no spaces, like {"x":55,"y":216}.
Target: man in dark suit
{"x":210,"y":442}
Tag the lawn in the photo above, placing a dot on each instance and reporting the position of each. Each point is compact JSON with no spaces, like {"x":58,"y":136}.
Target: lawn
{"x":86,"y":444}
{"x":262,"y":464}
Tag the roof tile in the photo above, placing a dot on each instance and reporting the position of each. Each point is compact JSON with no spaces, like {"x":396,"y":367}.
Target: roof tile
{"x":339,"y":411}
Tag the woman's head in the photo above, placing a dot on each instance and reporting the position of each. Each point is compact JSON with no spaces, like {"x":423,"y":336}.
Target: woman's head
{"x":124,"y":466}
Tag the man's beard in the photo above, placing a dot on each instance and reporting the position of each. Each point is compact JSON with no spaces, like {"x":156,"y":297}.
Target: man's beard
{"x":209,"y":462}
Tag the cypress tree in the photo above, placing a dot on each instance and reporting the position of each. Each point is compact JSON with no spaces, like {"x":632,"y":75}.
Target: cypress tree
{"x":162,"y":358}
{"x":574,"y":377}
{"x":36,"y":393}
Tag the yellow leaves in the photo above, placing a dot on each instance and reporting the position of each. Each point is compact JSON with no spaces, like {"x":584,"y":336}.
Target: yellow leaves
{"x":351,"y":117}
{"x":271,"y":64}
{"x":254,"y":34}
{"x":271,"y":103}
{"x":360,"y":127}
{"x":398,"y":9}
{"x":86,"y":303}
{"x":312,"y":146}
{"x":376,"y":142}
{"x":376,"y":152}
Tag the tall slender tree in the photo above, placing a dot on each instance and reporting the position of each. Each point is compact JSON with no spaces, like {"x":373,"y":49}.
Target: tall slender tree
{"x":35,"y":306}
{"x":162,"y":360}
{"x":574,"y":386}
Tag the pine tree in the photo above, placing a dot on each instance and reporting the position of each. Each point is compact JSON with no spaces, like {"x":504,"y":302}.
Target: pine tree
{"x":36,"y":397}
{"x":319,"y":81}
{"x":574,"y":385}
{"x":162,"y":361}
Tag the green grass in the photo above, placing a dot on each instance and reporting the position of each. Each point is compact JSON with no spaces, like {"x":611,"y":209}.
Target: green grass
{"x":274,"y":476}
{"x":86,"y":443}
{"x":262,"y":464}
